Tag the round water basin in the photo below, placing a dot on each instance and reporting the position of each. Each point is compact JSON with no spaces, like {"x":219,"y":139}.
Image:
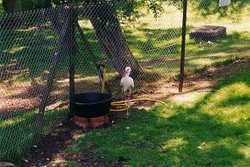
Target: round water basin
{"x":91,"y":105}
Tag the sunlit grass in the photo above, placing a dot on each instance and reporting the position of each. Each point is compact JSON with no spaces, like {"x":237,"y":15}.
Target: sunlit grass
{"x":65,"y":163}
{"x":1,"y":7}
{"x":214,"y":130}
{"x":155,"y":41}
{"x":232,"y":102}
{"x":216,"y":125}
{"x":15,"y":49}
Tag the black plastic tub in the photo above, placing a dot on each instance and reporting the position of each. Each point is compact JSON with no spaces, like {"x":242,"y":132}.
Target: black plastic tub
{"x":91,"y":105}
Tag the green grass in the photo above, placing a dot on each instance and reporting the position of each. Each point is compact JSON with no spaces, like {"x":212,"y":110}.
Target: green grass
{"x":65,"y":163}
{"x":156,"y":45}
{"x":213,"y":131}
{"x":156,"y":49}
{"x":1,"y":7}
{"x":154,"y":42}
{"x":18,"y":133}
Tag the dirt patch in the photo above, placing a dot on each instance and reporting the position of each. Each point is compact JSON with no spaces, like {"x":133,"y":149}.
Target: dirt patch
{"x":49,"y":150}
{"x":8,"y":70}
{"x":27,"y":95}
{"x":194,"y":84}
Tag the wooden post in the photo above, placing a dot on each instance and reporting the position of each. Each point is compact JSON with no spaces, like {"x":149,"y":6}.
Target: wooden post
{"x":71,"y":82}
{"x":72,"y":51}
{"x":60,"y":49}
{"x":46,"y":92}
{"x":183,"y":49}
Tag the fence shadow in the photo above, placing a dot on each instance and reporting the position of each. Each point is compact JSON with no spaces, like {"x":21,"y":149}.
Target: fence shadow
{"x":182,"y":136}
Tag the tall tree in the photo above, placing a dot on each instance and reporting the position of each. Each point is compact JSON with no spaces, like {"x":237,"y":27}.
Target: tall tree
{"x":104,"y":20}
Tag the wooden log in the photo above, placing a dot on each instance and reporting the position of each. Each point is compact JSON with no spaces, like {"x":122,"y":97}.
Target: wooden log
{"x":90,"y":51}
{"x":86,"y":44}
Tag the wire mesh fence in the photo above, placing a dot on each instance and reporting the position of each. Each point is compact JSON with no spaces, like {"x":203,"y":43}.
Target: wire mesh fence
{"x":215,"y":35}
{"x":27,"y":46}
{"x":34,"y":43}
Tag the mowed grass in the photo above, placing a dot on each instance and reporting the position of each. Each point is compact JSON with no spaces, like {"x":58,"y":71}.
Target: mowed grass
{"x":18,"y":132}
{"x":155,"y":43}
{"x":1,"y":7}
{"x":213,"y":131}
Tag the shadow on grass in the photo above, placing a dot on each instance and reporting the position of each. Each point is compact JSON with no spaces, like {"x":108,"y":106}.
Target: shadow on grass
{"x":236,"y":100}
{"x":18,"y":134}
{"x":33,"y":49}
{"x":180,"y":136}
{"x":154,"y":48}
{"x":232,"y":43}
{"x":152,"y":43}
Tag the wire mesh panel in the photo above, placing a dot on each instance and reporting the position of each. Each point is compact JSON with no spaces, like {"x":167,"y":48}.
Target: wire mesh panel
{"x":215,"y":34}
{"x":36,"y":49}
{"x":28,"y":44}
{"x":40,"y":50}
{"x":155,"y":42}
{"x":149,"y":45}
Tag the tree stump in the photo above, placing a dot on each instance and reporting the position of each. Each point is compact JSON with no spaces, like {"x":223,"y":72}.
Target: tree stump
{"x":208,"y":33}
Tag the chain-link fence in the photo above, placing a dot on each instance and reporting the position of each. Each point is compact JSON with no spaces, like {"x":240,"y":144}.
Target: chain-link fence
{"x":36,"y":44}
{"x":28,"y":43}
{"x":216,"y":34}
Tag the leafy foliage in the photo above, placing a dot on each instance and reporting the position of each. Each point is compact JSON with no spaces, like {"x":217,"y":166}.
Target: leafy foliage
{"x":22,"y":5}
{"x":133,"y":8}
{"x":211,"y":7}
{"x":125,"y":8}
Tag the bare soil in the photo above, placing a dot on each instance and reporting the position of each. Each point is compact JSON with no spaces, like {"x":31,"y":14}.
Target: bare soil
{"x":51,"y":146}
{"x":194,"y":84}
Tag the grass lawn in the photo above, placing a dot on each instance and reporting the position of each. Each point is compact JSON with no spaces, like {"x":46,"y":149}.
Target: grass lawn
{"x":155,"y":42}
{"x":1,"y":7}
{"x":213,"y":131}
{"x":166,"y":135}
{"x":18,"y":133}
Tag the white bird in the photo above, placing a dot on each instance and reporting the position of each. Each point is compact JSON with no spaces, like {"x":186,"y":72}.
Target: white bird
{"x":127,"y":84}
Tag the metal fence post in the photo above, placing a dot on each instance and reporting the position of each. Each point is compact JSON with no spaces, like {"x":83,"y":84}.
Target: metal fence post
{"x":184,"y":29}
{"x":72,"y":54}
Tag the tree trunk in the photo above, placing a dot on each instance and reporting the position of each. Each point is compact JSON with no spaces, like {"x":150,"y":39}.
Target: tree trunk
{"x":110,"y":36}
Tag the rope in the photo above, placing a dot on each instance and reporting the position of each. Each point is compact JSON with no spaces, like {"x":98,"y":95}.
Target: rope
{"x":122,"y":103}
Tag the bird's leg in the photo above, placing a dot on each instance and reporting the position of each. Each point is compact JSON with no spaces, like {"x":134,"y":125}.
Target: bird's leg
{"x":127,"y":114}
{"x":126,"y":102}
{"x":128,"y":98}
